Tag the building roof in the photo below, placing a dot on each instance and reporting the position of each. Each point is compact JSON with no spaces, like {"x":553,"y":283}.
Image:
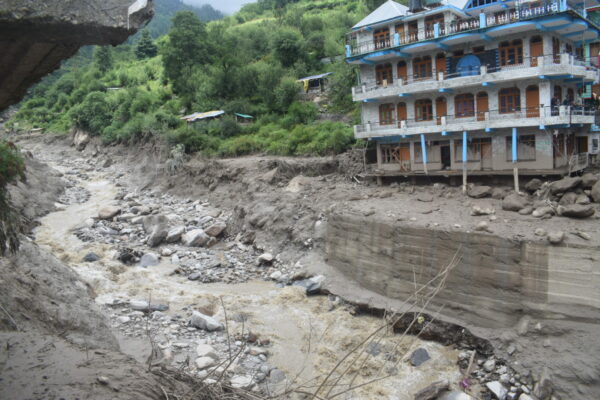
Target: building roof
{"x":388,"y":10}
{"x":311,"y":78}
{"x":460,"y":4}
{"x":246,"y":116}
{"x":203,"y":115}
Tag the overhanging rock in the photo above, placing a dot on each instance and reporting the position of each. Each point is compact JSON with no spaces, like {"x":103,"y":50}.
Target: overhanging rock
{"x":35,"y":36}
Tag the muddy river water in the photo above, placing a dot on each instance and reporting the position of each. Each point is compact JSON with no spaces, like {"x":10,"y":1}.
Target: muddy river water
{"x":307,"y":334}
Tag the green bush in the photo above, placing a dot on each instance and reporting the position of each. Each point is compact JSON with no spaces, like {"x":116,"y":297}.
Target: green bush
{"x":93,"y":114}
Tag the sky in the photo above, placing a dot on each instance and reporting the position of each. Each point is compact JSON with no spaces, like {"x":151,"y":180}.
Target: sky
{"x":227,"y":6}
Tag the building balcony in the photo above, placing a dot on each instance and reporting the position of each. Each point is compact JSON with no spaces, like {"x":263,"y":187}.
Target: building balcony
{"x":486,"y":27}
{"x":541,"y":117}
{"x":563,"y":66}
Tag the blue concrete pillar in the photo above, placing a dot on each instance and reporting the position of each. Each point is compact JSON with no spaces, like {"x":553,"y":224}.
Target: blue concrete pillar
{"x":464,"y":156}
{"x":514,"y":145}
{"x":482,"y":20}
{"x":348,"y":50}
{"x":423,"y":149}
{"x":396,"y":39}
{"x":436,"y":30}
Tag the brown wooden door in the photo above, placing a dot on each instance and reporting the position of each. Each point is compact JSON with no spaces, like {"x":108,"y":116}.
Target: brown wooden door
{"x":440,"y":64}
{"x":556,"y":50}
{"x":402,"y":72}
{"x":536,"y":49}
{"x":401,"y":112}
{"x":440,"y":109}
{"x":486,"y":155}
{"x":532,"y":101}
{"x":482,"y":106}
{"x":400,"y":31}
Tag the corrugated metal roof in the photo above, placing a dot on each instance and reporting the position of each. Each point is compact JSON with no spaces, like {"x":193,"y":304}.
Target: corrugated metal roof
{"x":388,"y":10}
{"x":203,"y":115}
{"x":310,"y":78}
{"x":244,"y":115}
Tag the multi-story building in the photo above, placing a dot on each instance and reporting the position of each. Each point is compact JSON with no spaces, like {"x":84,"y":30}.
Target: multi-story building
{"x":480,"y":85}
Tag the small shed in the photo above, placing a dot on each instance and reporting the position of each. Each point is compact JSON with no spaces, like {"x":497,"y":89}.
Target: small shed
{"x":243,"y":118}
{"x":315,"y":83}
{"x":203,"y":116}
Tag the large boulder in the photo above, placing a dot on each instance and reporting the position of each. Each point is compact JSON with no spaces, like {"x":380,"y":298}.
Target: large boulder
{"x":576,"y":210}
{"x":108,"y":212}
{"x":174,"y":234}
{"x":533,"y":185}
{"x":568,"y":198}
{"x":588,"y":180}
{"x":596,"y":192}
{"x":565,"y":185}
{"x":478,"y":192}
{"x":195,"y":238}
{"x":514,"y":202}
{"x":205,"y":322}
{"x":157,"y":226}
{"x":215,"y":229}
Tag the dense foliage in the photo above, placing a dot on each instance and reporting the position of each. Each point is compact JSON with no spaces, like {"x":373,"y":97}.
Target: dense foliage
{"x":11,"y":169}
{"x":248,"y":63}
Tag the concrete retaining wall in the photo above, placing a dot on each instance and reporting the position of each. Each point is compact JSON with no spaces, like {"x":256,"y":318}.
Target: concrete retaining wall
{"x":497,"y":281}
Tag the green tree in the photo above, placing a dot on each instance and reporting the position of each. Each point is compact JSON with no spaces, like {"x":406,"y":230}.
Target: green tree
{"x":145,"y":47}
{"x":11,"y":169}
{"x":93,"y":114}
{"x":340,"y":86}
{"x":103,"y":58}
{"x":287,"y":46}
{"x":185,"y":49}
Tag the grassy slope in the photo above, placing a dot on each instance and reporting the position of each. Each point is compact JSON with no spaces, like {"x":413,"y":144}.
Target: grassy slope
{"x":146,"y":105}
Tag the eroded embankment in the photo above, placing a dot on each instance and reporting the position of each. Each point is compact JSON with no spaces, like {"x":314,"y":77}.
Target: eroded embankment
{"x":540,"y":298}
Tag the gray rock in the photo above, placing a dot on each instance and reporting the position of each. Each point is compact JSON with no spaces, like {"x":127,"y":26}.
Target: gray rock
{"x":142,"y":305}
{"x":497,"y":389}
{"x":576,"y":211}
{"x":583,"y":199}
{"x":483,"y":226}
{"x":543,"y":211}
{"x":455,"y":395}
{"x":313,"y":285}
{"x":265,"y":258}
{"x":432,"y":391}
{"x":514,"y":202}
{"x":478,"y":192}
{"x":149,"y":260}
{"x":526,"y":211}
{"x":108,"y":212}
{"x":533,"y":185}
{"x":204,"y":362}
{"x":489,"y":365}
{"x":568,"y":198}
{"x":556,"y":237}
{"x":241,"y":382}
{"x":157,"y":226}
{"x":498,"y":193}
{"x":276,"y":376}
{"x":195,"y":238}
{"x":540,"y":232}
{"x":595,"y":193}
{"x":91,"y":257}
{"x":174,"y":234}
{"x":544,"y":387}
{"x":588,"y":180}
{"x":206,"y":350}
{"x":482,"y":210}
{"x":215,"y":229}
{"x":157,"y":236}
{"x":525,"y":396}
{"x":564,"y":185}
{"x":194,"y":276}
{"x":205,"y":322}
{"x":419,"y":356}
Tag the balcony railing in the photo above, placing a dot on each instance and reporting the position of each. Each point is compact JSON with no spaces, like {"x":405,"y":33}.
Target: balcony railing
{"x":564,"y":113}
{"x":440,"y":30}
{"x":563,"y":59}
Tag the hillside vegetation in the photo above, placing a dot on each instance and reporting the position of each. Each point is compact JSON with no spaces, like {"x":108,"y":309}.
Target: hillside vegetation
{"x":247,"y":63}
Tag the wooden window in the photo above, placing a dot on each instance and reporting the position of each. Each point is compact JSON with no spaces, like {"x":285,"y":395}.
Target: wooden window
{"x":431,"y":21}
{"x":558,"y":93}
{"x":413,"y":31}
{"x":570,"y":95}
{"x":401,"y":112}
{"x":509,"y":100}
{"x":482,"y":105}
{"x":511,"y":53}
{"x":582,"y":144}
{"x":400,"y":31}
{"x":473,"y":149}
{"x":556,"y":50}
{"x":525,"y":148}
{"x":381,"y":38}
{"x":422,"y":67}
{"x":464,"y":105}
{"x":433,"y":152}
{"x":383,"y":74}
{"x":386,"y":114}
{"x":536,"y":49}
{"x":423,"y":110}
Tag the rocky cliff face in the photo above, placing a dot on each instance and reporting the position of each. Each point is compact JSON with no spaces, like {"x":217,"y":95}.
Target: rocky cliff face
{"x":35,"y":36}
